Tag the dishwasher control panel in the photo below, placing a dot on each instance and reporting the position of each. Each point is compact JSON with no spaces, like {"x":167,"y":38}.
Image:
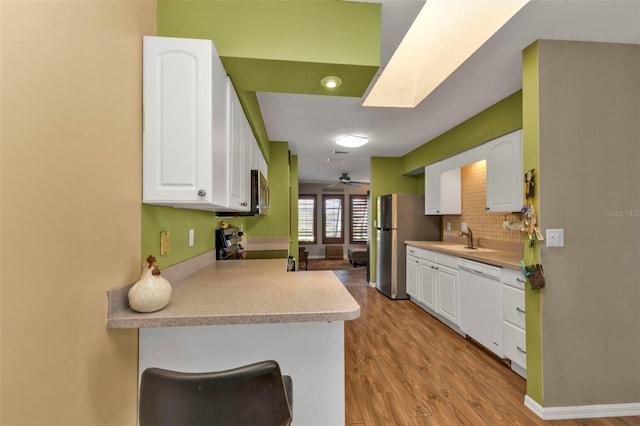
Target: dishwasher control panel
{"x":479,"y":268}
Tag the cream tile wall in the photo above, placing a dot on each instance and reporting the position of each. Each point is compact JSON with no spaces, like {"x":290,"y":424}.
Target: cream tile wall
{"x":483,"y":224}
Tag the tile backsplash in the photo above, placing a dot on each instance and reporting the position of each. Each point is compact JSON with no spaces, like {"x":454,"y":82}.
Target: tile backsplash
{"x":483,"y":224}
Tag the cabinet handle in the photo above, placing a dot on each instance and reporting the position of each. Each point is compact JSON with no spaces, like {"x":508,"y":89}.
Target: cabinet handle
{"x":521,"y":350}
{"x":487,"y":208}
{"x":520,"y":280}
{"x":202,"y":193}
{"x":244,"y":204}
{"x":522,"y":311}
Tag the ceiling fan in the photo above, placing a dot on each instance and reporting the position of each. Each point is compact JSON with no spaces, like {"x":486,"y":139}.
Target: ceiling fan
{"x":346,"y":180}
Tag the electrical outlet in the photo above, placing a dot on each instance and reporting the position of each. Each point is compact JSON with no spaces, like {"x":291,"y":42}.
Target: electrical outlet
{"x":464,"y":227}
{"x":164,"y":243}
{"x":191,"y":238}
{"x":555,"y":237}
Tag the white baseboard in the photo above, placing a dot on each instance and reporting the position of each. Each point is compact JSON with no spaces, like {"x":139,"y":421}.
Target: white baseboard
{"x":582,"y":411}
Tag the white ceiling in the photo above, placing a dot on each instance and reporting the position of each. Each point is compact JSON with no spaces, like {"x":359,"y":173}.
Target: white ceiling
{"x":311,"y":123}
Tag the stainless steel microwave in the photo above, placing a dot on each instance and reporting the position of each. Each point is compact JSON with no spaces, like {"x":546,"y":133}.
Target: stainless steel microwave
{"x":259,"y":192}
{"x":259,"y":197}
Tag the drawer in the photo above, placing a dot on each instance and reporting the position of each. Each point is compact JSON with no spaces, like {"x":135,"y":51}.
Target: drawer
{"x":513,"y":277}
{"x":515,"y":344}
{"x":513,"y":306}
{"x":415,"y":252}
{"x":447,"y":260}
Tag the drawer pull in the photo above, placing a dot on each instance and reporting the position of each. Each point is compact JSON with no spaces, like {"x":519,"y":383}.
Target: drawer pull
{"x":520,"y":280}
{"x":521,"y":350}
{"x":522,"y":311}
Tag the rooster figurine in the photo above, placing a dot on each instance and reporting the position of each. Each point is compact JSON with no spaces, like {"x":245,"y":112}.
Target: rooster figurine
{"x":151,"y":292}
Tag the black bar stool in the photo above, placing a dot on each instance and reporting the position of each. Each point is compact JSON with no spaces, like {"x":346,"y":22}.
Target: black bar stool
{"x":256,"y":394}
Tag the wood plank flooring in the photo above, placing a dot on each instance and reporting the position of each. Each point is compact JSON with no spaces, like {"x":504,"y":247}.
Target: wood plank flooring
{"x":404,"y":367}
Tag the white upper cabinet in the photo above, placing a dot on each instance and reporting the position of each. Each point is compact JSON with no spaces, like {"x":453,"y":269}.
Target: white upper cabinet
{"x":442,"y":190}
{"x":432,"y":189}
{"x":195,"y":132}
{"x":239,"y":161}
{"x":505,"y":188}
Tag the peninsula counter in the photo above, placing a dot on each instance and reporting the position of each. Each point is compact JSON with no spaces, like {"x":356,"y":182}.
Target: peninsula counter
{"x":236,"y":312}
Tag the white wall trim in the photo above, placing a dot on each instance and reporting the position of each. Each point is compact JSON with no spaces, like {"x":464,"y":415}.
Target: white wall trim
{"x":582,"y":411}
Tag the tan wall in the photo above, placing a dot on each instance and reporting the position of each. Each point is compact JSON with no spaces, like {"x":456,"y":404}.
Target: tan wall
{"x":589,"y":186}
{"x":70,"y":212}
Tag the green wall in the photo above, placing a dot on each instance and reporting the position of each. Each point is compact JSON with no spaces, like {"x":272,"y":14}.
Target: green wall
{"x":530,"y":144}
{"x":499,"y":119}
{"x":293,"y":222}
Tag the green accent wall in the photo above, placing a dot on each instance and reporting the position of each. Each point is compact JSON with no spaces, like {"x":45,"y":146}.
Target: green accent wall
{"x":156,"y":219}
{"x":499,"y":119}
{"x":321,"y":31}
{"x":530,"y":145}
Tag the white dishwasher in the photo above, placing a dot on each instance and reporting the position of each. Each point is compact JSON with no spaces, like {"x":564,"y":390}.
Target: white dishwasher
{"x":481,"y":303}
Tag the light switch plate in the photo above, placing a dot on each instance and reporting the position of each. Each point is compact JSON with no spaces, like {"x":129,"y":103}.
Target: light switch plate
{"x":555,"y":237}
{"x":464,"y":227}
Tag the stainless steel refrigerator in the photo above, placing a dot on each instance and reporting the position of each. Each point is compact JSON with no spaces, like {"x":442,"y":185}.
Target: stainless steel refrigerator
{"x":400,"y":218}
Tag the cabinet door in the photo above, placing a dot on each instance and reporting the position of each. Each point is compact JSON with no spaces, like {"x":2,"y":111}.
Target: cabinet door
{"x":428,"y":289}
{"x":450,"y":192}
{"x":238,"y":173}
{"x":505,"y":186}
{"x":432,"y":189}
{"x":448,"y":293}
{"x":412,"y":276}
{"x":177,"y":132}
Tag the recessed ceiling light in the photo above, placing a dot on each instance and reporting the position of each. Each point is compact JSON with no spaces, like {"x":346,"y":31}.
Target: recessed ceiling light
{"x":331,"y":81}
{"x":351,"y":141}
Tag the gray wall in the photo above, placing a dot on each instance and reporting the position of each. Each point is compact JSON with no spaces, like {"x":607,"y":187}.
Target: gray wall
{"x":589,"y":186}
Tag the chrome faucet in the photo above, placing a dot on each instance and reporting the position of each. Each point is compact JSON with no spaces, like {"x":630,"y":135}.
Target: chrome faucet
{"x":469,"y":235}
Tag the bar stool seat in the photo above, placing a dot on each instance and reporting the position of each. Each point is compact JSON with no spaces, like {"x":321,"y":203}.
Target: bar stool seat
{"x":255,"y":394}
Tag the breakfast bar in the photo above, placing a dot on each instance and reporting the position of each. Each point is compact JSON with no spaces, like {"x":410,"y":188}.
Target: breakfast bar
{"x":236,"y":312}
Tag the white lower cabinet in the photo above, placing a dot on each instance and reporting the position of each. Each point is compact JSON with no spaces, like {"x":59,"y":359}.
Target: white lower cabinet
{"x":436,"y":277}
{"x":433,"y":282}
{"x":513,"y":325}
{"x":428,"y":284}
{"x":412,"y":276}
{"x":448,"y":293}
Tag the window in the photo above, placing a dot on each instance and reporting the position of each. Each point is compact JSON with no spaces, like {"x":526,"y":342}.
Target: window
{"x":307,"y":219}
{"x":358,"y":218}
{"x":332,"y":219}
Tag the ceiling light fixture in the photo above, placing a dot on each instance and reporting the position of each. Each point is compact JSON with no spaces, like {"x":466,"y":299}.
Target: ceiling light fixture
{"x":331,"y":81}
{"x":351,"y":141}
{"x":442,"y":37}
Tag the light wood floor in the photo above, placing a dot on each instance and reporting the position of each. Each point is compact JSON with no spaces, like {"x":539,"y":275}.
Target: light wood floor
{"x":404,"y":367}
